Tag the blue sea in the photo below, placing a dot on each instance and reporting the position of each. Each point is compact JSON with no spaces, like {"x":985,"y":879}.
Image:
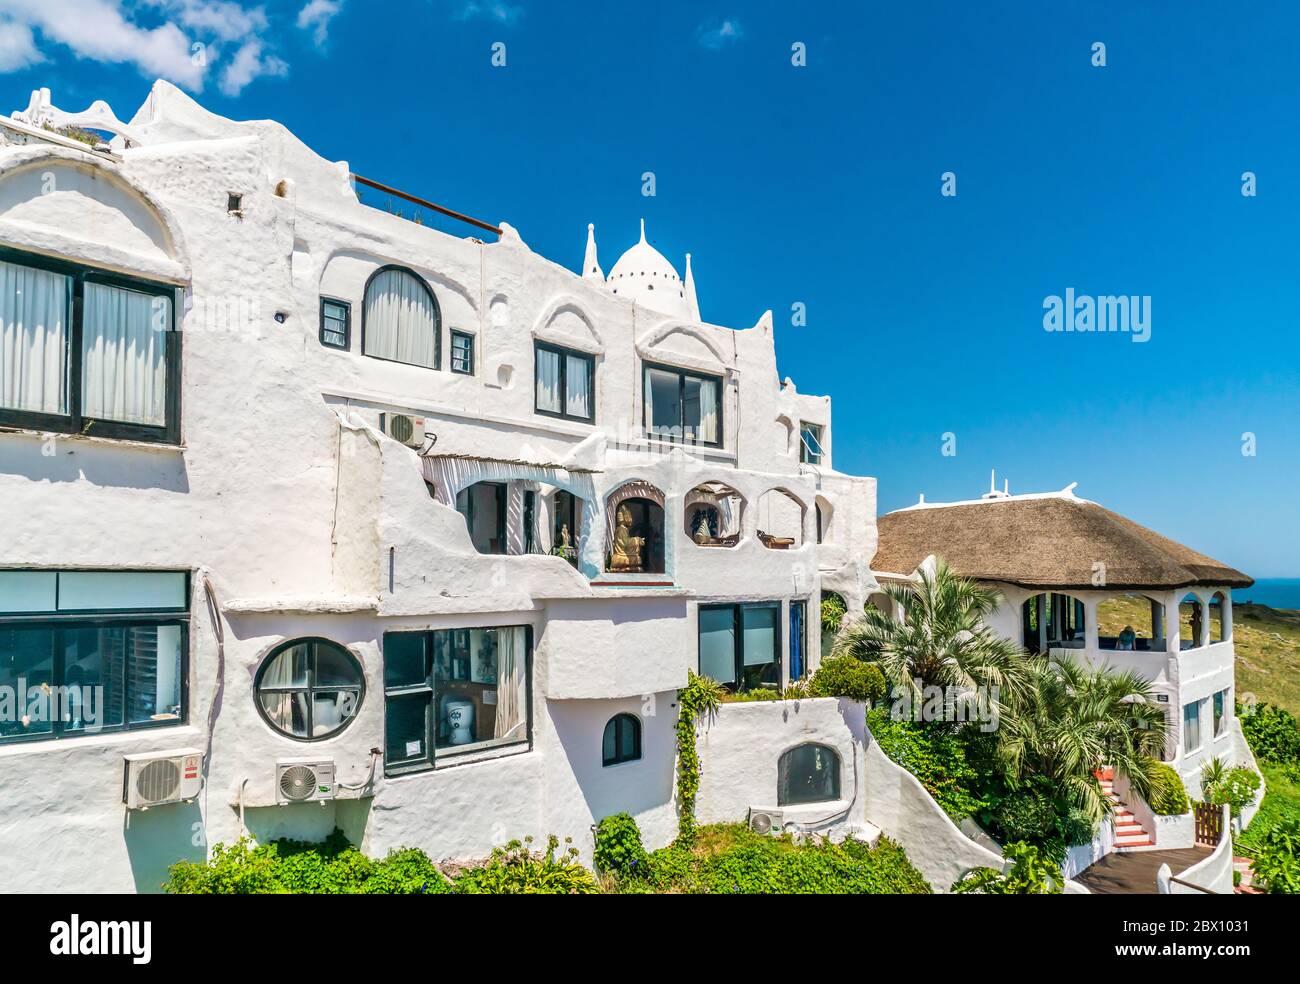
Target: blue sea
{"x":1276,"y":592}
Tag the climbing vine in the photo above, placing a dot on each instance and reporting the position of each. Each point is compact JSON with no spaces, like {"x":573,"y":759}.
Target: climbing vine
{"x":700,"y":696}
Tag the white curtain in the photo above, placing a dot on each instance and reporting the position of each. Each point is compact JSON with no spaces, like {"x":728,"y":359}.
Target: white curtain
{"x":288,"y":669}
{"x":548,"y":381}
{"x":512,"y":692}
{"x":124,"y":348}
{"x":577,"y":385}
{"x":708,"y":412}
{"x":401,"y":320}
{"x":34,"y":307}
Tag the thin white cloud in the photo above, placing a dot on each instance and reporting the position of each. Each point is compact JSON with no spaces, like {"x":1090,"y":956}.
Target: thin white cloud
{"x":507,"y":14}
{"x":316,"y":17}
{"x":718,"y":34}
{"x":193,"y":37}
{"x":17,"y":47}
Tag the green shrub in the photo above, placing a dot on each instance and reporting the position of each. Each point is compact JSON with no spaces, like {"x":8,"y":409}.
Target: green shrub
{"x":936,"y":754}
{"x":518,"y":870}
{"x":1276,"y":867}
{"x":1074,"y":826}
{"x":331,"y":867}
{"x":833,"y":611}
{"x":619,"y":850}
{"x":1168,"y":797}
{"x":1025,"y":815}
{"x":1031,"y":873}
{"x":1237,"y":789}
{"x":847,"y":676}
{"x":1273,"y":735}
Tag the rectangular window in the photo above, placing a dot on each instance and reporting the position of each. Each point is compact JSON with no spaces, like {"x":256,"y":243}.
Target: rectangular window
{"x":115,"y":666}
{"x":82,"y":351}
{"x":462,"y":353}
{"x":453,"y":691}
{"x":335,"y":323}
{"x":798,"y":609}
{"x":1192,"y":726}
{"x":810,"y":443}
{"x":682,"y":406}
{"x":1220,"y":712}
{"x":740,"y":645}
{"x":564,"y":383}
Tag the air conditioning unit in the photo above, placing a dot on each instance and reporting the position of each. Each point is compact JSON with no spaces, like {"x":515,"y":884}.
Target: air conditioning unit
{"x":156,"y":778}
{"x":403,"y":428}
{"x":766,"y":821}
{"x":304,"y":780}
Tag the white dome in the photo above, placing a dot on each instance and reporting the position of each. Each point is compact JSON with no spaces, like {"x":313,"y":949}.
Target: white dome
{"x":644,"y":275}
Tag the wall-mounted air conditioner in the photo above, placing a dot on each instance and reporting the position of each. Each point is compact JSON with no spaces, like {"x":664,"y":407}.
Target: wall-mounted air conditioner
{"x":155,"y":778}
{"x":403,"y":428}
{"x":766,"y":821}
{"x":304,"y":780}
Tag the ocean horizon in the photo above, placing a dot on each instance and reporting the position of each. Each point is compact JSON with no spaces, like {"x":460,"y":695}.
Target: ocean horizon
{"x":1275,"y":592}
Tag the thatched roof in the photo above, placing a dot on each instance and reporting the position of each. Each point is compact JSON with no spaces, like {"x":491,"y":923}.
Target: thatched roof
{"x":1049,"y":541}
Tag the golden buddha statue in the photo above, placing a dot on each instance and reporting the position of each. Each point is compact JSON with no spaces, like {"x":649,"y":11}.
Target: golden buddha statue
{"x":625,"y":553}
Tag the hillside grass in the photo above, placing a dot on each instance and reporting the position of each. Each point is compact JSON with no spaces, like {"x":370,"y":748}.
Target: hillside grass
{"x":1266,"y":642}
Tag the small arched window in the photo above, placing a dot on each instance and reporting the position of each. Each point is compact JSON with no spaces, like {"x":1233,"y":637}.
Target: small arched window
{"x":400,"y":321}
{"x":622,"y":740}
{"x":309,"y":689}
{"x":807,"y":774}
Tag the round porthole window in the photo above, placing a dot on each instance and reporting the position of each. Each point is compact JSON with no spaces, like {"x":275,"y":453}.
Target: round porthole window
{"x":309,"y":689}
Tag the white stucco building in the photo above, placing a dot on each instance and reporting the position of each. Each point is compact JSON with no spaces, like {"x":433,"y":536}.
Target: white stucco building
{"x":288,"y":480}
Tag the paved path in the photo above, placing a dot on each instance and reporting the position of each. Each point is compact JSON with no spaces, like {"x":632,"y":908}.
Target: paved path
{"x":1135,"y":874}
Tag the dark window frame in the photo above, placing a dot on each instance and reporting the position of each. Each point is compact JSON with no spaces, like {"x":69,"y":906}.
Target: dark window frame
{"x":437,"y":314}
{"x":310,"y":688}
{"x":787,"y":756}
{"x":62,"y":623}
{"x":738,"y":640}
{"x":468,"y":337}
{"x":564,"y":353}
{"x":634,"y":755}
{"x":74,"y":421}
{"x":683,"y":375}
{"x":429,"y":761}
{"x":347,"y":323}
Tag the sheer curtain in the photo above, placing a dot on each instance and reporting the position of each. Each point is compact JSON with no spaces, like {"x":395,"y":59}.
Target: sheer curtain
{"x":124,"y":347}
{"x":548,"y":381}
{"x":577,"y":386}
{"x":401,"y":320}
{"x":512,"y":691}
{"x":708,"y":412}
{"x":34,"y":308}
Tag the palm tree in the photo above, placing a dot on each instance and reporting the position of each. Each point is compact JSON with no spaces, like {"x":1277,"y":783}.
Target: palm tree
{"x":942,"y":639}
{"x":1072,"y":720}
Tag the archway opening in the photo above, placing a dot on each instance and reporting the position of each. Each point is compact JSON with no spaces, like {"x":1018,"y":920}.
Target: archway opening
{"x":780,"y":520}
{"x":713,"y":515}
{"x":1131,"y":622}
{"x":1052,"y":621}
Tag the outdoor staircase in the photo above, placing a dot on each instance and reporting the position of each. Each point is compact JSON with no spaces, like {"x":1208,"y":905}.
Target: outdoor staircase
{"x":1128,"y":832}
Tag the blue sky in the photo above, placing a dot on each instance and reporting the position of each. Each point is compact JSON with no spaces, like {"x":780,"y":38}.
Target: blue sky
{"x":820,"y":185}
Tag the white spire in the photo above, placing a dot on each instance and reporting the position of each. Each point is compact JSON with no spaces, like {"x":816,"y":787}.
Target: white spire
{"x":691,"y":302}
{"x":643,"y":230}
{"x":590,"y":265}
{"x":993,"y":492}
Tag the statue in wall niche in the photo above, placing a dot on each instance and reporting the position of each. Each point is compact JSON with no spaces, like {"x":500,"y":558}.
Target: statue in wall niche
{"x":702,"y":534}
{"x":564,"y":537}
{"x":625,"y":554}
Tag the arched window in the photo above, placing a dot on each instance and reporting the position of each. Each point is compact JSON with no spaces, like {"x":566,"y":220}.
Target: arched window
{"x":1052,"y":621}
{"x":309,"y":689}
{"x":622,"y":740}
{"x":400,"y":321}
{"x":635,"y":530}
{"x":807,"y":774}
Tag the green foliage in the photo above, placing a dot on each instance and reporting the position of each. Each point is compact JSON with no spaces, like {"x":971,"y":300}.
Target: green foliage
{"x":937,"y":755}
{"x":1025,"y":815}
{"x":1168,"y":797}
{"x":332,"y":867}
{"x":1030,"y":874}
{"x":1276,"y":867}
{"x":1236,"y":788}
{"x":618,"y":846}
{"x":730,"y":859}
{"x":516,"y":869}
{"x":845,"y":676}
{"x":700,"y":696}
{"x":833,"y":610}
{"x":1273,"y":735}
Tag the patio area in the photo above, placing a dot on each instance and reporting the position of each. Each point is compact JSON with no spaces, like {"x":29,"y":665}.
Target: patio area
{"x":1135,"y":873}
